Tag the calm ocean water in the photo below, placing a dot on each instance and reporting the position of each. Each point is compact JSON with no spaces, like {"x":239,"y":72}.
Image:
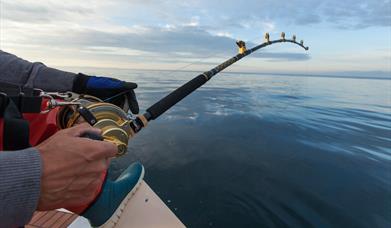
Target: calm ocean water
{"x":268,"y":151}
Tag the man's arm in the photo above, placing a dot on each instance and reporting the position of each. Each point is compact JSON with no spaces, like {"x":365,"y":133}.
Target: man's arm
{"x":34,"y":75}
{"x":20,"y":181}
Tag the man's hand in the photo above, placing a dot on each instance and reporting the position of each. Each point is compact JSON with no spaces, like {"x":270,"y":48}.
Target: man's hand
{"x":110,"y":90}
{"x":72,"y":167}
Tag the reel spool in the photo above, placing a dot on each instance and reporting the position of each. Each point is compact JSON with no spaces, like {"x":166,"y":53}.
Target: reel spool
{"x":112,"y":120}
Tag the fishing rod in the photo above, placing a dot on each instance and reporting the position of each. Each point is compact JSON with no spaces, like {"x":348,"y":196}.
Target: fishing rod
{"x":177,"y":95}
{"x":118,"y":127}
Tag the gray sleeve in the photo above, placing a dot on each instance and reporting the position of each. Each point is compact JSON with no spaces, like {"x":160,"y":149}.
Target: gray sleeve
{"x":20,"y":181}
{"x":34,"y":75}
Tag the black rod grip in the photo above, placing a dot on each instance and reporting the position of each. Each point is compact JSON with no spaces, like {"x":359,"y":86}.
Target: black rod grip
{"x":177,"y":95}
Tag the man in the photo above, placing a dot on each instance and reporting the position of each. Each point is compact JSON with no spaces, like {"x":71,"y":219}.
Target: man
{"x":64,"y":170}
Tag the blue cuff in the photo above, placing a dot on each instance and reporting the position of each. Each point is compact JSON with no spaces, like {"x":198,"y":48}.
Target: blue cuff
{"x":104,"y":83}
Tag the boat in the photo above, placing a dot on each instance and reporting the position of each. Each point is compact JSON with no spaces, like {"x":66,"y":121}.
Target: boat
{"x":145,"y":209}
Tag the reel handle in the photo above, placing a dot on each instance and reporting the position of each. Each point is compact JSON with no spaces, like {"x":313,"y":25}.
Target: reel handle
{"x":121,"y":147}
{"x":92,"y":136}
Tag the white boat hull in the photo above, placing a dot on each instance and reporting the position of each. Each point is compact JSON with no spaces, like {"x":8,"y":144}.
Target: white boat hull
{"x":145,"y":209}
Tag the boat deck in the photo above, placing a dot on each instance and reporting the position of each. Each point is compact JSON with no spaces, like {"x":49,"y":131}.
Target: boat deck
{"x":146,"y":209}
{"x":52,"y":219}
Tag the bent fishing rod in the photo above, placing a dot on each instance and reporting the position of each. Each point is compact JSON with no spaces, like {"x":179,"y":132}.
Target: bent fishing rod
{"x":118,"y":127}
{"x":177,"y":95}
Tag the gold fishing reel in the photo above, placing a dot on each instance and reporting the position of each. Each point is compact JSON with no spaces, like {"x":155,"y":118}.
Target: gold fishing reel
{"x":113,"y":121}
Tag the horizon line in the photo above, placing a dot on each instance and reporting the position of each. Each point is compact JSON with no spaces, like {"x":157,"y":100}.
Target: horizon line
{"x":387,"y":75}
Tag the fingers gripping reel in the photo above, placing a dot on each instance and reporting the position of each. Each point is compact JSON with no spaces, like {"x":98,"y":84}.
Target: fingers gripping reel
{"x":116,"y":125}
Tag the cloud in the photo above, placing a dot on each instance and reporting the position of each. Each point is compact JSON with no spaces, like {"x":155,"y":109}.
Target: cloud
{"x":355,"y":14}
{"x":33,"y":12}
{"x":172,"y":31}
{"x":189,"y":39}
{"x":179,"y":42}
{"x":87,"y":27}
{"x":215,"y":14}
{"x":285,"y":56}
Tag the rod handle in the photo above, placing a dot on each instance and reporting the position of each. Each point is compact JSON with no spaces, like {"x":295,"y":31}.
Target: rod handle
{"x":177,"y":95}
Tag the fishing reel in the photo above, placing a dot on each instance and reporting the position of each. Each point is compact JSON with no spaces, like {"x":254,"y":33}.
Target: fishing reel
{"x":117,"y":126}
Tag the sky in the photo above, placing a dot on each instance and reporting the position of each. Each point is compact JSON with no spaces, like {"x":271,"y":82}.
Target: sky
{"x":349,"y":37}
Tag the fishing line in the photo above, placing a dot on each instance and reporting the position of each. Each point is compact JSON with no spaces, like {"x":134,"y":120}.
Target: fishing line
{"x":200,"y":60}
{"x":115,"y":96}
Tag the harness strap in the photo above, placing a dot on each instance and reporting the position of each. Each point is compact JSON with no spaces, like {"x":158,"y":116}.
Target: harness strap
{"x":15,"y":100}
{"x":15,"y":128}
{"x":27,"y":100}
